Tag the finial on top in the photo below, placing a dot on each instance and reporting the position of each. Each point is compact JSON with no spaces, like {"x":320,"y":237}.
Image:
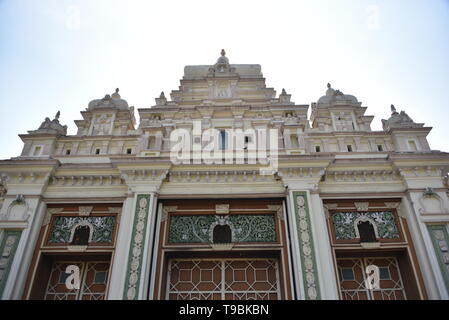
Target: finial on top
{"x":393,"y":109}
{"x":283,"y":91}
{"x":329,"y":85}
{"x":223,"y":52}
{"x":117,"y":90}
{"x":58,"y":114}
{"x":162,"y":95}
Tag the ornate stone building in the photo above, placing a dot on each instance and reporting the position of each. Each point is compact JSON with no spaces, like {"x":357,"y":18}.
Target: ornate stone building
{"x":326,"y":200}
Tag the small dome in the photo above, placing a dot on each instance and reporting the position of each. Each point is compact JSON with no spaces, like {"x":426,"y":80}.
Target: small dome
{"x":336,"y":96}
{"x":109,"y":101}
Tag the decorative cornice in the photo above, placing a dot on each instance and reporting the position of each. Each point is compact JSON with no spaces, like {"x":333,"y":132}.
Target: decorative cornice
{"x":34,"y":177}
{"x":301,"y":172}
{"x":86,"y":180}
{"x":219,"y":176}
{"x":144,"y":175}
{"x":362,"y":175}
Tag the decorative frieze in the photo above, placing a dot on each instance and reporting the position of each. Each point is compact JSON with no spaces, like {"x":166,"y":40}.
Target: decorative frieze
{"x":244,"y":228}
{"x":306,"y":246}
{"x":8,"y":246}
{"x":440,"y":239}
{"x":345,"y":224}
{"x":137,"y":246}
{"x":101,"y":229}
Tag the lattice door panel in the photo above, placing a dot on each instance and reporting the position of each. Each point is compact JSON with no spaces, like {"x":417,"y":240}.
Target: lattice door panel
{"x":230,"y":279}
{"x":93,"y":281}
{"x":56,"y":288}
{"x":93,"y":286}
{"x":351,"y":272}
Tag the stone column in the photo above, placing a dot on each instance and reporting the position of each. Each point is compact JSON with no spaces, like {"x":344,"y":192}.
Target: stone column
{"x":137,"y":263}
{"x":303,"y":244}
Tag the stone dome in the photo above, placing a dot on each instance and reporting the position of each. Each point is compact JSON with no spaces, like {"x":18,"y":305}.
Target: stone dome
{"x":109,"y":101}
{"x":336,"y":96}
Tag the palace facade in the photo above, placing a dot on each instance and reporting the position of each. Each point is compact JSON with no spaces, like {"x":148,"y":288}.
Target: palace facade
{"x":306,"y":213}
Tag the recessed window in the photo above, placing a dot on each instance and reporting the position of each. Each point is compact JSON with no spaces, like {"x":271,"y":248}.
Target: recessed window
{"x":347,"y":274}
{"x":294,"y":141}
{"x":380,"y":148}
{"x":349,"y":148}
{"x":366,"y":231}
{"x":223,"y":140}
{"x":128,"y":151}
{"x":68,"y":151}
{"x":222,"y":234}
{"x":317,"y":149}
{"x":81,"y":236}
{"x":37,"y":151}
{"x":151,"y":142}
{"x":97,"y":151}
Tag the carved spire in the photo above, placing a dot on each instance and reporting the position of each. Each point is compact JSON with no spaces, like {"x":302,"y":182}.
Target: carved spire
{"x":223,"y":52}
{"x":58,"y":114}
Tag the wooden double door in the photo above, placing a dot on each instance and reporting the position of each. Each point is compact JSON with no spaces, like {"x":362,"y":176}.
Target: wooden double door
{"x":93,"y":279}
{"x":353,"y":278}
{"x":223,"y":279}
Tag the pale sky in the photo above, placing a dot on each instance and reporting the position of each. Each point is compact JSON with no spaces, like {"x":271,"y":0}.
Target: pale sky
{"x":59,"y":55}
